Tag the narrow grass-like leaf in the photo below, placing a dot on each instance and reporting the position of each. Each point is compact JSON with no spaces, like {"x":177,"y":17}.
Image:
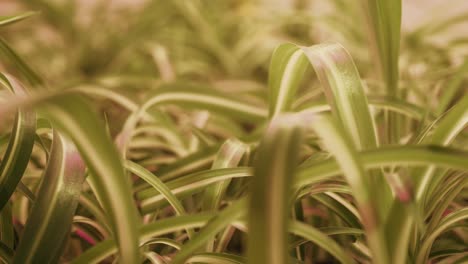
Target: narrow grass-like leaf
{"x":340,"y":145}
{"x":271,"y":192}
{"x":385,"y":25}
{"x":229,"y":155}
{"x":196,"y":160}
{"x":341,"y":83}
{"x":230,"y":214}
{"x":452,"y":87}
{"x":377,"y":102}
{"x":448,"y":127}
{"x":216,"y":258}
{"x":452,"y":191}
{"x":444,"y":226}
{"x":287,"y":66}
{"x":344,"y":92}
{"x":190,"y":184}
{"x":320,"y":239}
{"x":384,"y":20}
{"x":348,"y":216}
{"x":7,"y":20}
{"x":157,"y":184}
{"x":401,"y":216}
{"x":165,"y":226}
{"x":193,"y":97}
{"x":6,"y":51}
{"x":6,"y":253}
{"x":417,"y":156}
{"x":17,"y":154}
{"x":51,"y":217}
{"x":73,"y":116}
{"x":7,"y":232}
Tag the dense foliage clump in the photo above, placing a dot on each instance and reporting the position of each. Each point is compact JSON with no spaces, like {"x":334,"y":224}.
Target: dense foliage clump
{"x":231,"y":132}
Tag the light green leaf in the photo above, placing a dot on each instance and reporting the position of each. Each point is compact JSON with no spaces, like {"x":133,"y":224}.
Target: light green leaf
{"x":339,"y":144}
{"x":320,"y":239}
{"x":20,"y":145}
{"x":190,"y":184}
{"x":158,"y":228}
{"x":232,"y":213}
{"x":158,"y":185}
{"x":287,"y":66}
{"x":445,"y":225}
{"x":74,"y":117}
{"x":215,"y":258}
{"x":228,"y":156}
{"x":271,"y":191}
{"x":385,"y":25}
{"x":50,"y":220}
{"x":7,"y":20}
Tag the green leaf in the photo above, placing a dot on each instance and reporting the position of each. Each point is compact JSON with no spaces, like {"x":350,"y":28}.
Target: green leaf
{"x":158,"y":228}
{"x":384,"y":19}
{"x":344,"y":213}
{"x":20,"y":145}
{"x":339,"y":78}
{"x":7,"y":232}
{"x":74,"y":117}
{"x":187,"y":164}
{"x":320,"y":239}
{"x":228,"y":156}
{"x":342,"y":87}
{"x":8,"y":20}
{"x":216,"y":258}
{"x":6,"y":253}
{"x":7,"y":52}
{"x":71,"y":115}
{"x":271,"y":191}
{"x":448,"y":127}
{"x":428,"y":239}
{"x":340,"y":145}
{"x":191,"y":96}
{"x":50,"y":221}
{"x":414,"y":156}
{"x":190,"y":184}
{"x":451,"y":88}
{"x":287,"y":66}
{"x":157,"y":184}
{"x":222,"y":219}
{"x":385,"y":25}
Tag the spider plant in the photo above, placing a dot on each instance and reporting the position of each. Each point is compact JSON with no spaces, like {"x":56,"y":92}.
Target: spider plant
{"x":224,"y":132}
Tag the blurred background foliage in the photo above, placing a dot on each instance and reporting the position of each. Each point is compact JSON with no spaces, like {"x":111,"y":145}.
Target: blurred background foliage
{"x":226,"y":44}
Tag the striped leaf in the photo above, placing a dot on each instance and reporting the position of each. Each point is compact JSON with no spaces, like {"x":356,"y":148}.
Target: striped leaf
{"x":448,"y":222}
{"x":159,"y":228}
{"x":271,"y":192}
{"x":340,"y":145}
{"x":74,"y":118}
{"x":20,"y":145}
{"x":50,"y":221}
{"x":158,"y":185}
{"x":385,"y":25}
{"x":228,"y":156}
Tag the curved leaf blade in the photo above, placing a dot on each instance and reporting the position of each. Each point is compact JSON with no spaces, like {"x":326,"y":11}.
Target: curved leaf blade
{"x":19,"y":149}
{"x":50,"y":220}
{"x":271,"y":192}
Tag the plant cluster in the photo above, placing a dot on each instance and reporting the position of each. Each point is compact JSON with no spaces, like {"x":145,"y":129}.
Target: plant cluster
{"x":197,"y":132}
